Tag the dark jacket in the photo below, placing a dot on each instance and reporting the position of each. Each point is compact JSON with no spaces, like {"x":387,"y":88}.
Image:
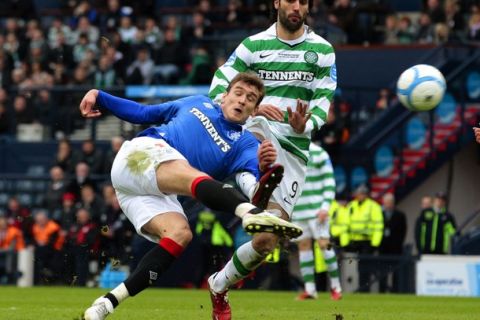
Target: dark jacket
{"x":394,"y":231}
{"x":433,"y":231}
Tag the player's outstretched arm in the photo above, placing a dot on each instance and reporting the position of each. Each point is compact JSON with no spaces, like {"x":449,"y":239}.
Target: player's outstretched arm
{"x":87,"y":105}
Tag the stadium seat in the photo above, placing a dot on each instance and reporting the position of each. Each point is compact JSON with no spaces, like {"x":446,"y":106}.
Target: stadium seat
{"x":25,"y":199}
{"x":4,"y":198}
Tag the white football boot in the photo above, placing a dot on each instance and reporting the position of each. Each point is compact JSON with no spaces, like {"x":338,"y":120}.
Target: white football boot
{"x":268,"y":222}
{"x":99,"y":310}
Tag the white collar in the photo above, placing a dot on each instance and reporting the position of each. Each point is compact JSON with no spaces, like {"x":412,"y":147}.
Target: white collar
{"x":273,"y":31}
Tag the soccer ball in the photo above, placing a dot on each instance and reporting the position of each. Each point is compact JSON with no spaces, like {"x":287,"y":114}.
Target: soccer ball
{"x":421,"y":87}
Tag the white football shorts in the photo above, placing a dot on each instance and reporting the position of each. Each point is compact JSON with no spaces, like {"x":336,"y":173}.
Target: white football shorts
{"x":313,"y":229}
{"x":134,"y":179}
{"x":291,"y":186}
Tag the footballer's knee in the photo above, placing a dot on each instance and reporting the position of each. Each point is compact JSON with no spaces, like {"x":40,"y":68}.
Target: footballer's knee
{"x":182,"y":235}
{"x":264,"y":243}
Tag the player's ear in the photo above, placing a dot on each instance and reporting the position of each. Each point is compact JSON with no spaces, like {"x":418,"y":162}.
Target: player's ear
{"x":276,"y":4}
{"x":224,"y":95}
{"x":255,"y":110}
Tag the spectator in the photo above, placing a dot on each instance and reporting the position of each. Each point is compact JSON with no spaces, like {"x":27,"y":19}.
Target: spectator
{"x":198,"y":30}
{"x":435,"y":227}
{"x":390,"y":31}
{"x":442,"y":33}
{"x":366,"y":232}
{"x":127,"y":30}
{"x":343,"y":16}
{"x":81,"y":178}
{"x":405,"y":31}
{"x":84,"y":10}
{"x":23,"y":112}
{"x":85,"y":27}
{"x":116,"y":231}
{"x":59,"y":29}
{"x":435,"y":11}
{"x":153,"y":35}
{"x":202,"y":68}
{"x":117,"y":60}
{"x":474,"y":27}
{"x":92,"y":202}
{"x":173,"y":25}
{"x":5,"y":68}
{"x":55,"y":190}
{"x":61,"y":52}
{"x":110,"y":20}
{"x":454,"y":19}
{"x":215,"y":245}
{"x":64,"y":215}
{"x":40,"y":77}
{"x":81,"y":47}
{"x":234,"y":17}
{"x":394,"y":231}
{"x":425,"y":32}
{"x":141,"y":70}
{"x":92,"y":156}
{"x":11,"y":238}
{"x":105,"y":76}
{"x":65,"y":157}
{"x":5,"y":120}
{"x":170,"y":59}
{"x":48,"y":243}
{"x":83,"y":244}
{"x":426,"y":202}
{"x":384,"y":100}
{"x":16,"y":50}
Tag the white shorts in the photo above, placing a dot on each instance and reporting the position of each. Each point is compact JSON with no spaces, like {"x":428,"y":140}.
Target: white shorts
{"x":135,"y":182}
{"x":291,"y":186}
{"x":313,"y":229}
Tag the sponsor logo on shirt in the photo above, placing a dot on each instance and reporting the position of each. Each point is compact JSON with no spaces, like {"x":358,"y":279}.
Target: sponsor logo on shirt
{"x":286,"y":75}
{"x":224,"y":146}
{"x":333,"y":72}
{"x":311,"y":57}
{"x":234,"y":135}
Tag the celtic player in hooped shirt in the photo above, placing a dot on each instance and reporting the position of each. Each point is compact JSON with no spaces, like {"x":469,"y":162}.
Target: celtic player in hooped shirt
{"x":298,"y":70}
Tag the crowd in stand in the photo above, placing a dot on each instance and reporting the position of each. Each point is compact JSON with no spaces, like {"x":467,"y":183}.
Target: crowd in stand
{"x":113,"y":43}
{"x":79,"y":220}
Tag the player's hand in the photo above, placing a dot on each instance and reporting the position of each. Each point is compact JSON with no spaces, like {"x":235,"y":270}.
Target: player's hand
{"x":298,"y":118}
{"x":87,"y":105}
{"x":476,"y":131}
{"x":322,"y":215}
{"x":267,"y":155}
{"x":270,"y":112}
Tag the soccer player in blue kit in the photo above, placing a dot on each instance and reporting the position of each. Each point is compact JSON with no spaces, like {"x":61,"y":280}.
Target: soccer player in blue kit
{"x":198,"y":141}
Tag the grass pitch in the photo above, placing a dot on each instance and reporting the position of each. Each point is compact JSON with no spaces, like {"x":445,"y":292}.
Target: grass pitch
{"x":65,"y":303}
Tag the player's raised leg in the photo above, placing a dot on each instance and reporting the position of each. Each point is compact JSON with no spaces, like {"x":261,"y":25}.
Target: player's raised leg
{"x":174,"y":232}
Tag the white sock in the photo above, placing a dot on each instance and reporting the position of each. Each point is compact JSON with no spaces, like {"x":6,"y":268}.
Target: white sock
{"x":247,"y":182}
{"x":120,"y":292}
{"x":307,"y":269}
{"x":245,"y":259}
{"x":332,"y":266}
{"x":242,"y":209}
